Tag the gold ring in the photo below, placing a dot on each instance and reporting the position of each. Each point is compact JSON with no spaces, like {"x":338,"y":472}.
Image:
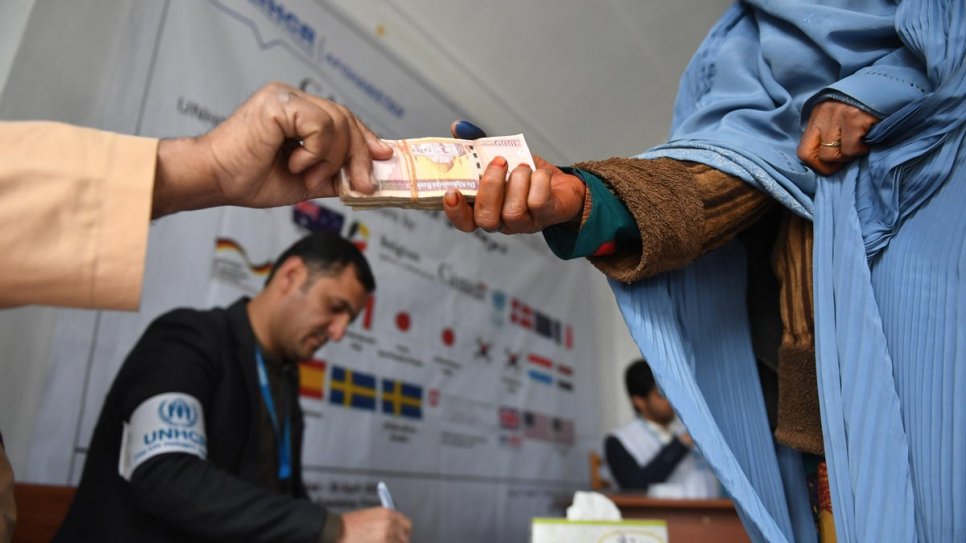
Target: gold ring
{"x":833,"y":144}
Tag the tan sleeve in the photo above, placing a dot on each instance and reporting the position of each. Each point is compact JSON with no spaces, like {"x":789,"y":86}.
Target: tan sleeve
{"x":8,"y":508}
{"x":683,"y":210}
{"x":75,"y":205}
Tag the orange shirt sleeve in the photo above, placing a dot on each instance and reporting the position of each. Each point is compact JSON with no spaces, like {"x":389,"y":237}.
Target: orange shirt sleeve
{"x":75,"y":206}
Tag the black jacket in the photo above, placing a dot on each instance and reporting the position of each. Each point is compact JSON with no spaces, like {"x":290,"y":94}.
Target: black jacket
{"x":180,"y":497}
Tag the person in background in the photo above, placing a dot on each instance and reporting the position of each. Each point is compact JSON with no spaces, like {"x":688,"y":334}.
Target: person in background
{"x":200,"y":436}
{"x":75,"y":203}
{"x":654,"y":453}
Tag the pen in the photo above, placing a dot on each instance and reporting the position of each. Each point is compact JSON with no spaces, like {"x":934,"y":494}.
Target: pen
{"x":384,"y":496}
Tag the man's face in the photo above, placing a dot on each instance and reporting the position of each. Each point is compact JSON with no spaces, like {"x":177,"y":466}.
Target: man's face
{"x":320,"y":309}
{"x":657,"y":408}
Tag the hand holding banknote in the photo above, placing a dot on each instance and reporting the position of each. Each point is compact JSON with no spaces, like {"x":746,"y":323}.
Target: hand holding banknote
{"x":422,"y":170}
{"x":529,"y":201}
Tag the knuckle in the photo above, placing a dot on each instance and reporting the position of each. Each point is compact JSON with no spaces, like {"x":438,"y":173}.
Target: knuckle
{"x":492,"y":180}
{"x":273,"y":87}
{"x":487,"y":219}
{"x":541,"y":207}
{"x":339,"y":123}
{"x":514,"y":211}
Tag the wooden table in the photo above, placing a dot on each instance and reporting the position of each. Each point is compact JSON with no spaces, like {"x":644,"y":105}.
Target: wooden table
{"x":687,"y":520}
{"x":40,"y":511}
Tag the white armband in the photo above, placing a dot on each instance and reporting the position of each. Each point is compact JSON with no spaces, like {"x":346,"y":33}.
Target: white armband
{"x":173,"y":422}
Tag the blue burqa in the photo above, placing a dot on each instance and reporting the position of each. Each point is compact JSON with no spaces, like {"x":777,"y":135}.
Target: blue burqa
{"x":890,"y":245}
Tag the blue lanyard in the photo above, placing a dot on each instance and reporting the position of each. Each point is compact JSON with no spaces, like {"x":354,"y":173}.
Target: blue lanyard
{"x":283,"y":442}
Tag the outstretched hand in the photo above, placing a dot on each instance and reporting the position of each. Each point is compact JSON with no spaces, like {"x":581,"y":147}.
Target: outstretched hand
{"x":834,"y":136}
{"x":280,"y":147}
{"x":529,"y":201}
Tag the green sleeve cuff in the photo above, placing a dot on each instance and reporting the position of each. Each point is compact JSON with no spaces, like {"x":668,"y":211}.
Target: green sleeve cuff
{"x":608,"y":224}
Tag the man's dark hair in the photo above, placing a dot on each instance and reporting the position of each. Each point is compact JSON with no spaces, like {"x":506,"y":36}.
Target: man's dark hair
{"x":328,"y":253}
{"x":638,"y":378}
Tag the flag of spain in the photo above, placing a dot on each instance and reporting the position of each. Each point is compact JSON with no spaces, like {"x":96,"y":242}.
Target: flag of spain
{"x":312,"y":378}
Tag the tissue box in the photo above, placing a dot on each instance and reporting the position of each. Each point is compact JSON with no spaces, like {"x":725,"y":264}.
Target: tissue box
{"x":558,"y":530}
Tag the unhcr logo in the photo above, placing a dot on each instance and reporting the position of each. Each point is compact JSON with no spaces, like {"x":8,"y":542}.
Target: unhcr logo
{"x":178,"y":413}
{"x":303,"y":34}
{"x":173,"y":436}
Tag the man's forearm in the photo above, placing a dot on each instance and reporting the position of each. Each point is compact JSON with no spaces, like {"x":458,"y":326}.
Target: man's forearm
{"x":192,"y":494}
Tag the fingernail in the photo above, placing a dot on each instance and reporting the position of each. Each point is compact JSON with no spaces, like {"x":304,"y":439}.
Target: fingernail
{"x":451,"y":198}
{"x":499,"y":162}
{"x":467,"y":130}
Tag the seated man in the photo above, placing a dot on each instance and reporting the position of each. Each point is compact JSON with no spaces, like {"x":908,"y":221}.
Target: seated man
{"x":653,"y":452}
{"x":200,"y":437}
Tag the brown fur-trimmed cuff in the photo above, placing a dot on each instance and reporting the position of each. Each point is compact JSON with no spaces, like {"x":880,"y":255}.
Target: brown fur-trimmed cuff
{"x":799,"y":417}
{"x":662,"y":197}
{"x":682,"y":209}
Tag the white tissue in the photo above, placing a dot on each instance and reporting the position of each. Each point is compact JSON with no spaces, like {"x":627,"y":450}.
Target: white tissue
{"x":592,"y":506}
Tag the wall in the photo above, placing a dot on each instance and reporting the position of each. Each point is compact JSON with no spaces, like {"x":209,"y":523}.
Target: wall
{"x":608,"y":68}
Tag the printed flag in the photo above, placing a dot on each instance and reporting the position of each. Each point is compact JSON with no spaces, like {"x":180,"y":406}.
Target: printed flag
{"x":540,"y":372}
{"x":565,"y":372}
{"x":367,"y":313}
{"x":544,"y":325}
{"x":402,"y":399}
{"x":351,"y":388}
{"x":540,"y":377}
{"x":314,"y":217}
{"x":230,"y":245}
{"x":312,"y":378}
{"x":536,"y":425}
{"x":509,"y":418}
{"x":563,"y":431}
{"x":540,"y":361}
{"x":511,"y":440}
{"x":521,"y":314}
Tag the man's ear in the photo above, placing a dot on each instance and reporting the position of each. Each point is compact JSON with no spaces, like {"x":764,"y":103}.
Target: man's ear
{"x":640,"y":404}
{"x":290,"y":275}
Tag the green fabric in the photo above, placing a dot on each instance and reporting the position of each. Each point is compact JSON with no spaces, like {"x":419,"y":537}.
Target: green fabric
{"x":609,"y":220}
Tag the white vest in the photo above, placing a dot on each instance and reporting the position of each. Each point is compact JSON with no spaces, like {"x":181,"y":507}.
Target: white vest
{"x":692,"y":478}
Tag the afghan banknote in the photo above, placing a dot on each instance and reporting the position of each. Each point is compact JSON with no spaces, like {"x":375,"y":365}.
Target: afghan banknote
{"x":422,"y":170}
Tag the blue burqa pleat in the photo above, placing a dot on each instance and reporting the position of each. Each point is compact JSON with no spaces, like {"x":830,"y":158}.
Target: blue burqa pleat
{"x":890,"y":247}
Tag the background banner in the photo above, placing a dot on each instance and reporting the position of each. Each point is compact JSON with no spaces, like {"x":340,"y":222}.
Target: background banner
{"x":467,"y":384}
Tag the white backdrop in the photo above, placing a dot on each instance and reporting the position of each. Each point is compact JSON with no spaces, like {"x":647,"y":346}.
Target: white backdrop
{"x":512,"y":66}
{"x":492,"y":339}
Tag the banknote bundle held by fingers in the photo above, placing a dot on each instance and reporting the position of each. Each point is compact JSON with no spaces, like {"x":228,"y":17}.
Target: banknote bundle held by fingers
{"x":422,"y":170}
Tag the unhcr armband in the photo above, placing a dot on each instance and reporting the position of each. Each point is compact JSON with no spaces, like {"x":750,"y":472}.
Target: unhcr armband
{"x":173,"y":422}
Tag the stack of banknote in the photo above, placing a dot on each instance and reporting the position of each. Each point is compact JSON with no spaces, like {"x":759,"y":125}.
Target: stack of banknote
{"x":422,"y":170}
